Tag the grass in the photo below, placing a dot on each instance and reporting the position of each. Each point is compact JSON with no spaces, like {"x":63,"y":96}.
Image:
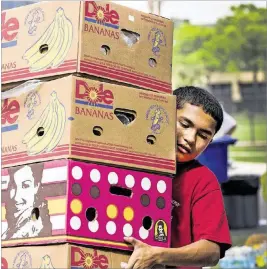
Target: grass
{"x":250,"y":149}
{"x":243,"y":130}
{"x":249,"y":153}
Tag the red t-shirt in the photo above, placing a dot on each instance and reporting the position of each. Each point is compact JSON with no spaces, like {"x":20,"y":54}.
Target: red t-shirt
{"x":198,"y":209}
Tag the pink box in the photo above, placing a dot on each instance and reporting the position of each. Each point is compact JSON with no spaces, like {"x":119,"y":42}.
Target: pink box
{"x":85,"y":203}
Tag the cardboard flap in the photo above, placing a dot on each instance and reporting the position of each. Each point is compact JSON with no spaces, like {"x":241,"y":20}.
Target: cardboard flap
{"x":22,"y":89}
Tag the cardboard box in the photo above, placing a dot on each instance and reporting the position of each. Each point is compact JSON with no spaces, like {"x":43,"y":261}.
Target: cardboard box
{"x":73,"y":117}
{"x":62,"y":256}
{"x":102,"y":39}
{"x":83,"y":203}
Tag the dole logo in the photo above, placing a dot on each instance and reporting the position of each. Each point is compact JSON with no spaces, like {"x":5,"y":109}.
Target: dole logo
{"x":93,"y":96}
{"x":101,"y":15}
{"x":10,"y":29}
{"x":10,"y":114}
{"x":82,"y":259}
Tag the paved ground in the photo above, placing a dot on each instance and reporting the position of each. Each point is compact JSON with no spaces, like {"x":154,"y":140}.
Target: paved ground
{"x":240,"y":236}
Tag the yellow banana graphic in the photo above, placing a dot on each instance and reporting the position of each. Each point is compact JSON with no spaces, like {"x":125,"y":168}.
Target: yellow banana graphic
{"x":156,"y":117}
{"x":50,"y":42}
{"x":57,"y":38}
{"x":67,"y":26}
{"x":46,"y":263}
{"x":42,"y":40}
{"x":157,"y":40}
{"x":61,"y":116}
{"x":52,"y":122}
{"x":47,"y":60}
{"x":40,"y":146}
{"x":32,"y":132}
{"x":45,"y":127}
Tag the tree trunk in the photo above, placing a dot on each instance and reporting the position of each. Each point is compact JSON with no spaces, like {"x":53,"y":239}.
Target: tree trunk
{"x":154,"y":6}
{"x":253,"y":106}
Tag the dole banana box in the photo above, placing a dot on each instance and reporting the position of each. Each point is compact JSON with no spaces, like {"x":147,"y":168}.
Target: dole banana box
{"x":74,"y":117}
{"x":102,"y":39}
{"x":62,"y":256}
{"x":84,"y":203}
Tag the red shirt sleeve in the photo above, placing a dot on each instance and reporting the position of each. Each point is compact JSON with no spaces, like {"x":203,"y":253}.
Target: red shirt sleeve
{"x":209,"y":219}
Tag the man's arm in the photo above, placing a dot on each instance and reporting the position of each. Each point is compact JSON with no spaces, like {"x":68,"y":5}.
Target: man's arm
{"x":200,"y":254}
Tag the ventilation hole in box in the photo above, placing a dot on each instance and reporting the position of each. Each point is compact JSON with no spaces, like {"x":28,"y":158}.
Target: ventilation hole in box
{"x":97,"y":130}
{"x":120,"y":191}
{"x":130,"y":37}
{"x":76,"y":189}
{"x":131,"y":18}
{"x":160,"y":202}
{"x":105,"y":49}
{"x":40,"y":131}
{"x":145,"y":200}
{"x":94,"y":192}
{"x":35,"y":214}
{"x":91,"y":213}
{"x":126,"y":116}
{"x":151,"y":139}
{"x":43,"y":49}
{"x":152,"y":62}
{"x":147,"y":222}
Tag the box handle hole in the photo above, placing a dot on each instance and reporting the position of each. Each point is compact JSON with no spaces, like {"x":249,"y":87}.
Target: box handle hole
{"x":116,"y":190}
{"x":126,"y":116}
{"x":130,"y":37}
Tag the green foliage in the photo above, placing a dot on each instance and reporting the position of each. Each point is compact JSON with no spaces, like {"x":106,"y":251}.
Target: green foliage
{"x":236,"y":42}
{"x":246,"y":34}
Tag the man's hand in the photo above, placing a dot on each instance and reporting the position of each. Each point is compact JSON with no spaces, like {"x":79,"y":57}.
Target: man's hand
{"x":144,"y":255}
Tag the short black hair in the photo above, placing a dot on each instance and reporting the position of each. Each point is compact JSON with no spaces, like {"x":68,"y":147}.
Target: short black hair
{"x":199,"y":97}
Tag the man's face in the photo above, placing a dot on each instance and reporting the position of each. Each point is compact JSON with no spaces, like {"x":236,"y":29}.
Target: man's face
{"x":24,"y":194}
{"x":195,"y":130}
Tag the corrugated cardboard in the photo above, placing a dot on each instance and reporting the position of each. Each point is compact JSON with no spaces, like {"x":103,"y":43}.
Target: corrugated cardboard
{"x":62,"y":256}
{"x":97,"y":38}
{"x":73,"y":117}
{"x":83,"y":203}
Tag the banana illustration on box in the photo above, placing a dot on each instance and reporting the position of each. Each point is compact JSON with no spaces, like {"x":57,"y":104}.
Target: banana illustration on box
{"x":46,"y":133}
{"x":46,"y":263}
{"x":52,"y":47}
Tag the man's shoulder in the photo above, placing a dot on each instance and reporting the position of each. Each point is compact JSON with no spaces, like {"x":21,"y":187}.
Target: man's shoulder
{"x":195,"y":171}
{"x":195,"y":167}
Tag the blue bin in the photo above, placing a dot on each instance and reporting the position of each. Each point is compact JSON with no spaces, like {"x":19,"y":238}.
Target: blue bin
{"x":215,"y":157}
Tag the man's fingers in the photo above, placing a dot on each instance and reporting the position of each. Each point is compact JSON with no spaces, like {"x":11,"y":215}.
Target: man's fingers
{"x":131,"y":240}
{"x":123,"y":265}
{"x":139,"y":266}
{"x":131,"y":262}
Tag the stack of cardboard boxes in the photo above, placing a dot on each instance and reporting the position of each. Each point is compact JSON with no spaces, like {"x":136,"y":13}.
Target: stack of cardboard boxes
{"x":88,"y":147}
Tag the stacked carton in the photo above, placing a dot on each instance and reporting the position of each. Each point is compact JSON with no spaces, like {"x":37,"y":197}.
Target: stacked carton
{"x":89,"y":149}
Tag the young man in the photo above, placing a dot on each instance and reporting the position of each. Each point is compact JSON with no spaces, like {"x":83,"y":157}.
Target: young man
{"x":200,"y":234}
